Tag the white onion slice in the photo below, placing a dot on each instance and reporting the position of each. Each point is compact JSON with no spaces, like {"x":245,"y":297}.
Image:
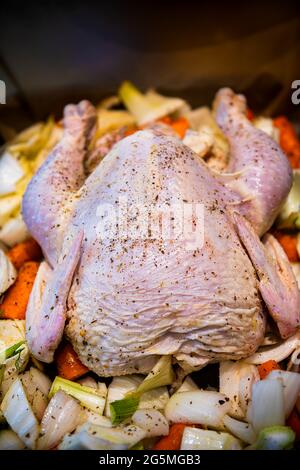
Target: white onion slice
{"x":198,"y":407}
{"x":8,"y":273}
{"x":291,"y":387}
{"x":10,"y":173}
{"x":95,"y":418}
{"x":9,"y":440}
{"x":188,"y":385}
{"x":19,"y":415}
{"x":37,"y":386}
{"x":152,"y":421}
{"x":267,"y":406}
{"x":62,"y":416}
{"x":241,"y":430}
{"x":277,"y":352}
{"x":236,"y":380}
{"x":14,"y":231}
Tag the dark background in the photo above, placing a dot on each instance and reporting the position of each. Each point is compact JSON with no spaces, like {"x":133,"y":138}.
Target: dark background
{"x":53,"y":53}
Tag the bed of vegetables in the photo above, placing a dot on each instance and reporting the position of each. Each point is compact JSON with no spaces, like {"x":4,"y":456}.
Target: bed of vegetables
{"x":256,"y":402}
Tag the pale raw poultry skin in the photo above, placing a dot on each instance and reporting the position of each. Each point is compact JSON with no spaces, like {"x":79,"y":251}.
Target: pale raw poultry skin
{"x":124,"y":302}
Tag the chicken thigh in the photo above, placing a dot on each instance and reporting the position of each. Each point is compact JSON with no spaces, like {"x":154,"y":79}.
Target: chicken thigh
{"x":198,"y":291}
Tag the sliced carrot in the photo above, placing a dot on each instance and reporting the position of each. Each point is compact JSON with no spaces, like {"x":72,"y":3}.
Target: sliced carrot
{"x":68,"y":363}
{"x":173,"y":440}
{"x":180,"y":126}
{"x":294,"y":422}
{"x":288,"y":139}
{"x":267,"y":367}
{"x":16,"y":298}
{"x":165,"y":120}
{"x":131,"y":130}
{"x":289,"y":244}
{"x":250,"y":114}
{"x":25,"y":251}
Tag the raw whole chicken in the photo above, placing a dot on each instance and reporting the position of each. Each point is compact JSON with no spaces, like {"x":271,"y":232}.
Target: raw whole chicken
{"x":125,"y":300}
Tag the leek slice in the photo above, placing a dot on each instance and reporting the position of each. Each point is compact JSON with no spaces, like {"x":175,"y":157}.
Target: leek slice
{"x":200,"y":439}
{"x":89,"y":436}
{"x":161,"y":374}
{"x":93,"y":399}
{"x":123,"y":409}
{"x":274,"y":438}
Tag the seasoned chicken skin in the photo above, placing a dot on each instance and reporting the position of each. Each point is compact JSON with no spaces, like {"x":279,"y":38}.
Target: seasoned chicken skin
{"x":124,"y":299}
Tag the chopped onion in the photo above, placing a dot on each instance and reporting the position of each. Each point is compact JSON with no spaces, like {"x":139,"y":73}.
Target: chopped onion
{"x":19,"y":415}
{"x":119,"y":387}
{"x":90,"y":436}
{"x":88,"y":396}
{"x":291,"y":387}
{"x":199,"y":407}
{"x":241,"y":430}
{"x":10,"y":173}
{"x":148,"y":107}
{"x":188,"y":386}
{"x":94,"y":418}
{"x":200,"y":439}
{"x":199,"y":141}
{"x":37,"y":386}
{"x":154,"y":399}
{"x":277,"y":352}
{"x":9,"y":440}
{"x":14,"y":231}
{"x":267,"y":406}
{"x":88,"y":381}
{"x":8,"y":273}
{"x":62,"y":416}
{"x":152,"y":421}
{"x":236,"y":380}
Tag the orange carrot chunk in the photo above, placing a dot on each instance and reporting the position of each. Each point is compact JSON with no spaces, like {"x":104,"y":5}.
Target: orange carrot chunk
{"x":25,"y":251}
{"x":16,"y":298}
{"x":173,"y":440}
{"x":68,"y":363}
{"x":288,"y":140}
{"x":294,"y":422}
{"x":267,"y":367}
{"x":180,"y":126}
{"x":250,"y":114}
{"x":289,"y":244}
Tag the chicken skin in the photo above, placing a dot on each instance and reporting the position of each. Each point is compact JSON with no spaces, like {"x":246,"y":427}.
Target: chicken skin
{"x":126,"y":293}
